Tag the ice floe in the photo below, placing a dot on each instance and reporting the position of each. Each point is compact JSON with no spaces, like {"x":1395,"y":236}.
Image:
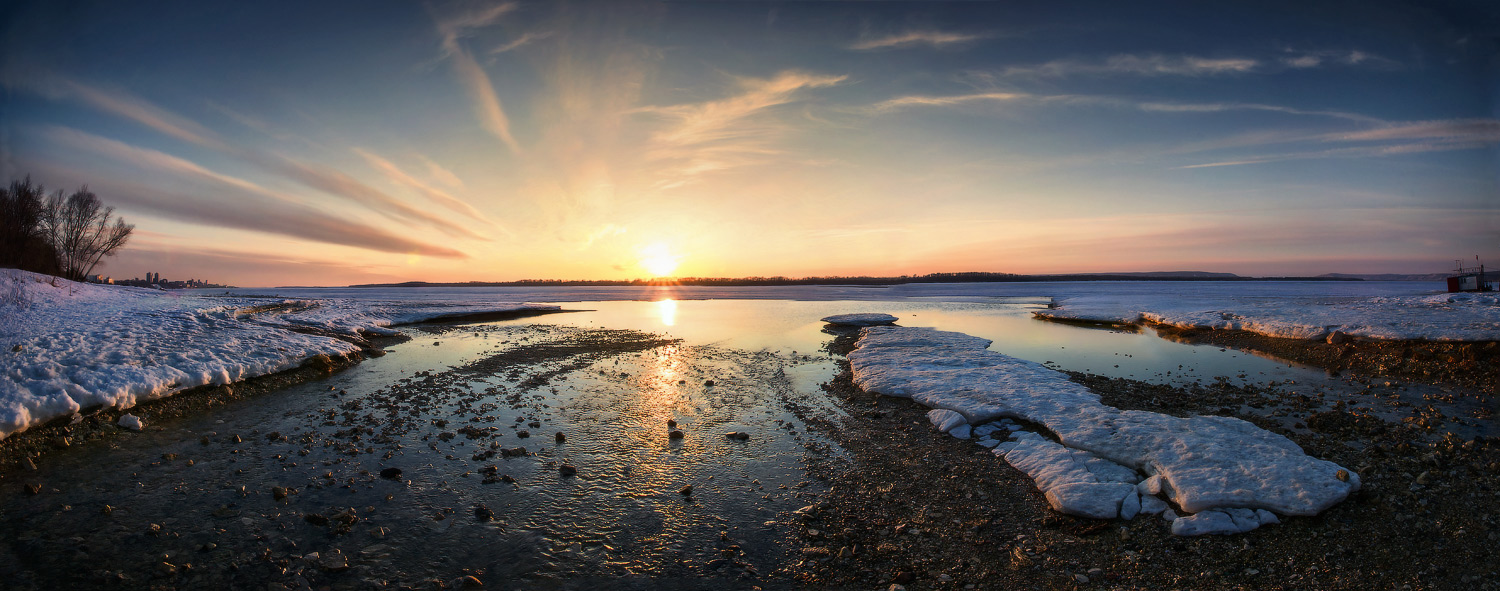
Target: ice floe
{"x":865,"y":319}
{"x":67,"y":346}
{"x":1104,"y":462}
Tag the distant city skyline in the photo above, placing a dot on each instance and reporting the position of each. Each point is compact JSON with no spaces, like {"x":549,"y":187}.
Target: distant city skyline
{"x":339,"y":143}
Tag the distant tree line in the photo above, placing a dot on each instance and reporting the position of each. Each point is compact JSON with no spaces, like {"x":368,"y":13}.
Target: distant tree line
{"x":967,"y":277}
{"x":57,"y":234}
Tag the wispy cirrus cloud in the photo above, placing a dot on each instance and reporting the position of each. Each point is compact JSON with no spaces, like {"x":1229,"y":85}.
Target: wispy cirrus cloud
{"x":235,"y":203}
{"x":452,"y":28}
{"x":324,"y":179}
{"x":728,"y":132}
{"x":721,"y":119}
{"x":914,"y":38}
{"x":915,"y":101}
{"x":1138,"y":65}
{"x":1389,"y":140}
{"x":947,"y":100}
{"x":525,"y":39}
{"x":434,"y":194}
{"x":1313,"y":59}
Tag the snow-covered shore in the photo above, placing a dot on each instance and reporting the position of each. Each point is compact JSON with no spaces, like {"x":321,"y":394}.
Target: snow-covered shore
{"x":67,"y":346}
{"x":1434,"y":317}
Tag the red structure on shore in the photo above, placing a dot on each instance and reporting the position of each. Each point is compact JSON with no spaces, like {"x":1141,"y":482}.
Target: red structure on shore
{"x":1468,"y":278}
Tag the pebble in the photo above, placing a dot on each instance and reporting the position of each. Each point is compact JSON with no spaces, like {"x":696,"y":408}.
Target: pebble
{"x":738,"y":435}
{"x":483,"y":513}
{"x":567,"y":470}
{"x":391,"y":473}
{"x":675,"y":434}
{"x":468,"y":582}
{"x":686,"y":491}
{"x":1081,"y":578}
{"x":671,"y":424}
{"x":560,"y":437}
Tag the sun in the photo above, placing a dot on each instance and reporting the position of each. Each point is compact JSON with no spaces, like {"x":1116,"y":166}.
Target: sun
{"x":659,"y":261}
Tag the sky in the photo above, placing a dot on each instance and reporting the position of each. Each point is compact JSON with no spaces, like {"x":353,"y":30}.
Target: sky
{"x":332,"y":143}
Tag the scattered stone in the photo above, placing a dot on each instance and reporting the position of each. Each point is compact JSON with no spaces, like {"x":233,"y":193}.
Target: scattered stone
{"x":567,"y":470}
{"x":738,"y":435}
{"x":33,"y":489}
{"x":334,"y":561}
{"x":560,"y":437}
{"x":391,"y":473}
{"x":30,"y":465}
{"x":467,"y":582}
{"x":483,"y":513}
{"x":675,"y":434}
{"x":17,"y":349}
{"x":671,"y":423}
{"x":315,"y":519}
{"x":279,"y":492}
{"x":686,"y":491}
{"x":708,"y":382}
{"x":130,"y":421}
{"x":523,"y":434}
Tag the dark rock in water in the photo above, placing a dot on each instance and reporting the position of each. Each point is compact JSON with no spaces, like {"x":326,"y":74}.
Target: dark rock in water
{"x":436,"y":343}
{"x":507,"y":479}
{"x":33,"y":489}
{"x":738,"y":435}
{"x":391,"y":473}
{"x":280,"y":492}
{"x":320,"y":362}
{"x":483,"y":513}
{"x":675,"y":434}
{"x":708,"y":382}
{"x":315,"y":519}
{"x":567,"y":470}
{"x":523,"y":434}
{"x":686,"y":491}
{"x":903,"y":578}
{"x":468,"y":582}
{"x":560,"y":437}
{"x":18,"y":349}
{"x":671,"y":423}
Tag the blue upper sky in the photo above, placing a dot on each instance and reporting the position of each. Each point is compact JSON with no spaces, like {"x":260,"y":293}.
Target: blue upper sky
{"x":329,"y":143}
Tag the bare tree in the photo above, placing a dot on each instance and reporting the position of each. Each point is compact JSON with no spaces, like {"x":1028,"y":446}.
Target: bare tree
{"x":23,"y":241}
{"x":79,"y":229}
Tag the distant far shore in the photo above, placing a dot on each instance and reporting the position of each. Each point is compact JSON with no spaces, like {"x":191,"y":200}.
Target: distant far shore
{"x":881,"y":281}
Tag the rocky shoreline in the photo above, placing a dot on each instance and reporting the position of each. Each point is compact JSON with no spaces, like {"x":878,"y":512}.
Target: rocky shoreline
{"x":916,"y":508}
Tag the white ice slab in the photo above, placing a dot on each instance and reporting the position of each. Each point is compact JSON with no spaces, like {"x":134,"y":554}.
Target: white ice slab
{"x":1203,"y":462}
{"x":864,"y":319}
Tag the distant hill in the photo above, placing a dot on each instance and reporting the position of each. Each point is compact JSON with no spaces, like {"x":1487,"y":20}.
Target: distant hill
{"x":1387,"y":276}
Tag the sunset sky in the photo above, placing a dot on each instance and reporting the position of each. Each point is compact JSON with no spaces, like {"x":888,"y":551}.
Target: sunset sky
{"x":328,"y":143}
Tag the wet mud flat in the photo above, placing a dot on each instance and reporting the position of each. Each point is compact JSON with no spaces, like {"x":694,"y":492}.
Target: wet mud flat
{"x":914,"y":507}
{"x":494,"y":456}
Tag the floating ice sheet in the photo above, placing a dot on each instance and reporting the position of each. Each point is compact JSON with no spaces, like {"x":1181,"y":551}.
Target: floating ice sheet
{"x":864,"y":319}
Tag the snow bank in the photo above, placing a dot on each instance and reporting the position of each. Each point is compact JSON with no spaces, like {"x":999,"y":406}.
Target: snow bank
{"x":1102,"y":453}
{"x":66,"y":346}
{"x":1438,"y":317}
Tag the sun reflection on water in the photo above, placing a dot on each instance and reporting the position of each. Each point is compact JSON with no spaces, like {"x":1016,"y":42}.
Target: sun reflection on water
{"x":668,"y":310}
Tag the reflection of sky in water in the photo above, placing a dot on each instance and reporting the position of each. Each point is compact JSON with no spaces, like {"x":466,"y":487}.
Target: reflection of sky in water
{"x":786,"y":326}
